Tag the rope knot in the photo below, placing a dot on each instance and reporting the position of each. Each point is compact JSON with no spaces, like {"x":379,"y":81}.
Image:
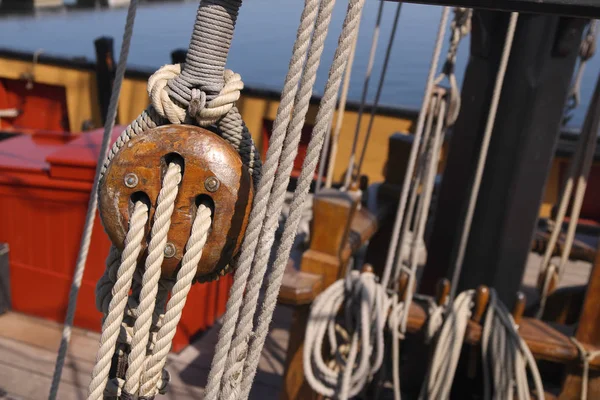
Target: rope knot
{"x":203,"y":112}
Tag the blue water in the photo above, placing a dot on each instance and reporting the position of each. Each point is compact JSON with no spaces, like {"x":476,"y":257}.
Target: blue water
{"x":262,"y":44}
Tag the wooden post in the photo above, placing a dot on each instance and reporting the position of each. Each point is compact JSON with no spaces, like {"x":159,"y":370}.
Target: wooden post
{"x":105,"y":72}
{"x":588,"y":334}
{"x":525,"y":133}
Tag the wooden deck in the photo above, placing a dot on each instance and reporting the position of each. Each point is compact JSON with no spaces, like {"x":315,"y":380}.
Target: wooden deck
{"x":28,"y":348}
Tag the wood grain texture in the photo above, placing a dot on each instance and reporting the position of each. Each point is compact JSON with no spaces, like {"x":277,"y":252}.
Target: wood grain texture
{"x":204,"y":155}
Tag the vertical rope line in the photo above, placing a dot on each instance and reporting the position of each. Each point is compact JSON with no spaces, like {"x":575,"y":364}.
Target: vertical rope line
{"x":338,"y":126}
{"x":111,"y":325}
{"x":414,"y":150}
{"x":422,"y":218}
{"x":510,"y":33}
{"x":185,"y":277}
{"x":363,"y":97}
{"x":165,"y":205}
{"x":261,"y":198}
{"x":323,"y":118}
{"x":93,"y":202}
{"x":288,"y":155}
{"x":386,"y":62}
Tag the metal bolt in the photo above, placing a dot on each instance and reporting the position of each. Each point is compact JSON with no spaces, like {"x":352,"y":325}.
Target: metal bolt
{"x":131,"y":180}
{"x":170,"y":250}
{"x":212,"y":184}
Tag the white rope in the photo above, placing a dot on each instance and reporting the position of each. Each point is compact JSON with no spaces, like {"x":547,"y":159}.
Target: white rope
{"x":185,"y":277}
{"x":506,"y":357}
{"x":586,"y":357}
{"x":261,"y":198}
{"x":335,"y":137}
{"x":587,"y":49}
{"x":165,"y":205}
{"x":365,"y":90}
{"x":111,"y":325}
{"x":412,"y":159}
{"x":440,"y":376}
{"x":365,"y":306}
{"x":386,"y":62}
{"x":578,"y":172}
{"x":487,"y":135}
{"x":93,"y":201}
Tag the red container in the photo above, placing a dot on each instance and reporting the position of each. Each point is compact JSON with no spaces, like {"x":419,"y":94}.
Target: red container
{"x":45,"y":181}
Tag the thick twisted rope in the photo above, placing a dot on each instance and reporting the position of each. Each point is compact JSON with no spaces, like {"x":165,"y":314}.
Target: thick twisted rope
{"x":323,"y":119}
{"x":93,"y":202}
{"x":165,"y":205}
{"x":366,"y":306}
{"x":485,"y":144}
{"x":587,"y":49}
{"x":235,"y":362}
{"x":184,"y":280}
{"x":111,"y":325}
{"x":261,"y":197}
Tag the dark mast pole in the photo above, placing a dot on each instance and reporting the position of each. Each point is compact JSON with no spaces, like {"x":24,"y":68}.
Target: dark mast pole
{"x":525,"y":134}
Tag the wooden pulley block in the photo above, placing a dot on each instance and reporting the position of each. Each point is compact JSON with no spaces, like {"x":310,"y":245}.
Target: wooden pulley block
{"x":212,"y":172}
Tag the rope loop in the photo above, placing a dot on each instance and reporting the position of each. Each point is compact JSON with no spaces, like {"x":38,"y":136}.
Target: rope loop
{"x":199,"y":110}
{"x":460,"y":27}
{"x":585,"y":356}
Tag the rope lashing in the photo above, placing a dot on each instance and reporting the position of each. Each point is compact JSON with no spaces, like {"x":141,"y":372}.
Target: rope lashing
{"x":460,"y":27}
{"x":574,"y":188}
{"x":586,"y":357}
{"x":93,"y":201}
{"x":365,"y":306}
{"x":204,"y":112}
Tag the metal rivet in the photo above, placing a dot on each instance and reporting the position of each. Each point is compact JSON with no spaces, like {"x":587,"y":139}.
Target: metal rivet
{"x":212,"y":184}
{"x":131,"y":180}
{"x":170,"y":250}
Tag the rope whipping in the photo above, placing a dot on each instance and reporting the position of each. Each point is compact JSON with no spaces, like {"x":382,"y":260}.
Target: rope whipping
{"x":487,"y":135}
{"x":93,"y":201}
{"x":577,"y":177}
{"x":386,"y":61}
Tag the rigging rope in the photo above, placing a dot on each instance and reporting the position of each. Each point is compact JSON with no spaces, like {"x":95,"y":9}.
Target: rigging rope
{"x":388,"y":52}
{"x":263,"y":191}
{"x":360,"y":354}
{"x":365,"y":89}
{"x":487,"y":135}
{"x":577,"y":177}
{"x":93,"y":201}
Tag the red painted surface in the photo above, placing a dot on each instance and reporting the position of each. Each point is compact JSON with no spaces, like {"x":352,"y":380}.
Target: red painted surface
{"x":45,"y":180}
{"x":40,"y":106}
{"x":302,"y":147}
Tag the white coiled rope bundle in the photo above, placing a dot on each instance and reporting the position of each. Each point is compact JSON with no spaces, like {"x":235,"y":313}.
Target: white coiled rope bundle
{"x":361,"y":327}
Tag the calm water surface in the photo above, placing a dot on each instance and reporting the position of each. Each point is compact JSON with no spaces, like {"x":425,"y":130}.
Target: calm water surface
{"x":262,"y":44}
